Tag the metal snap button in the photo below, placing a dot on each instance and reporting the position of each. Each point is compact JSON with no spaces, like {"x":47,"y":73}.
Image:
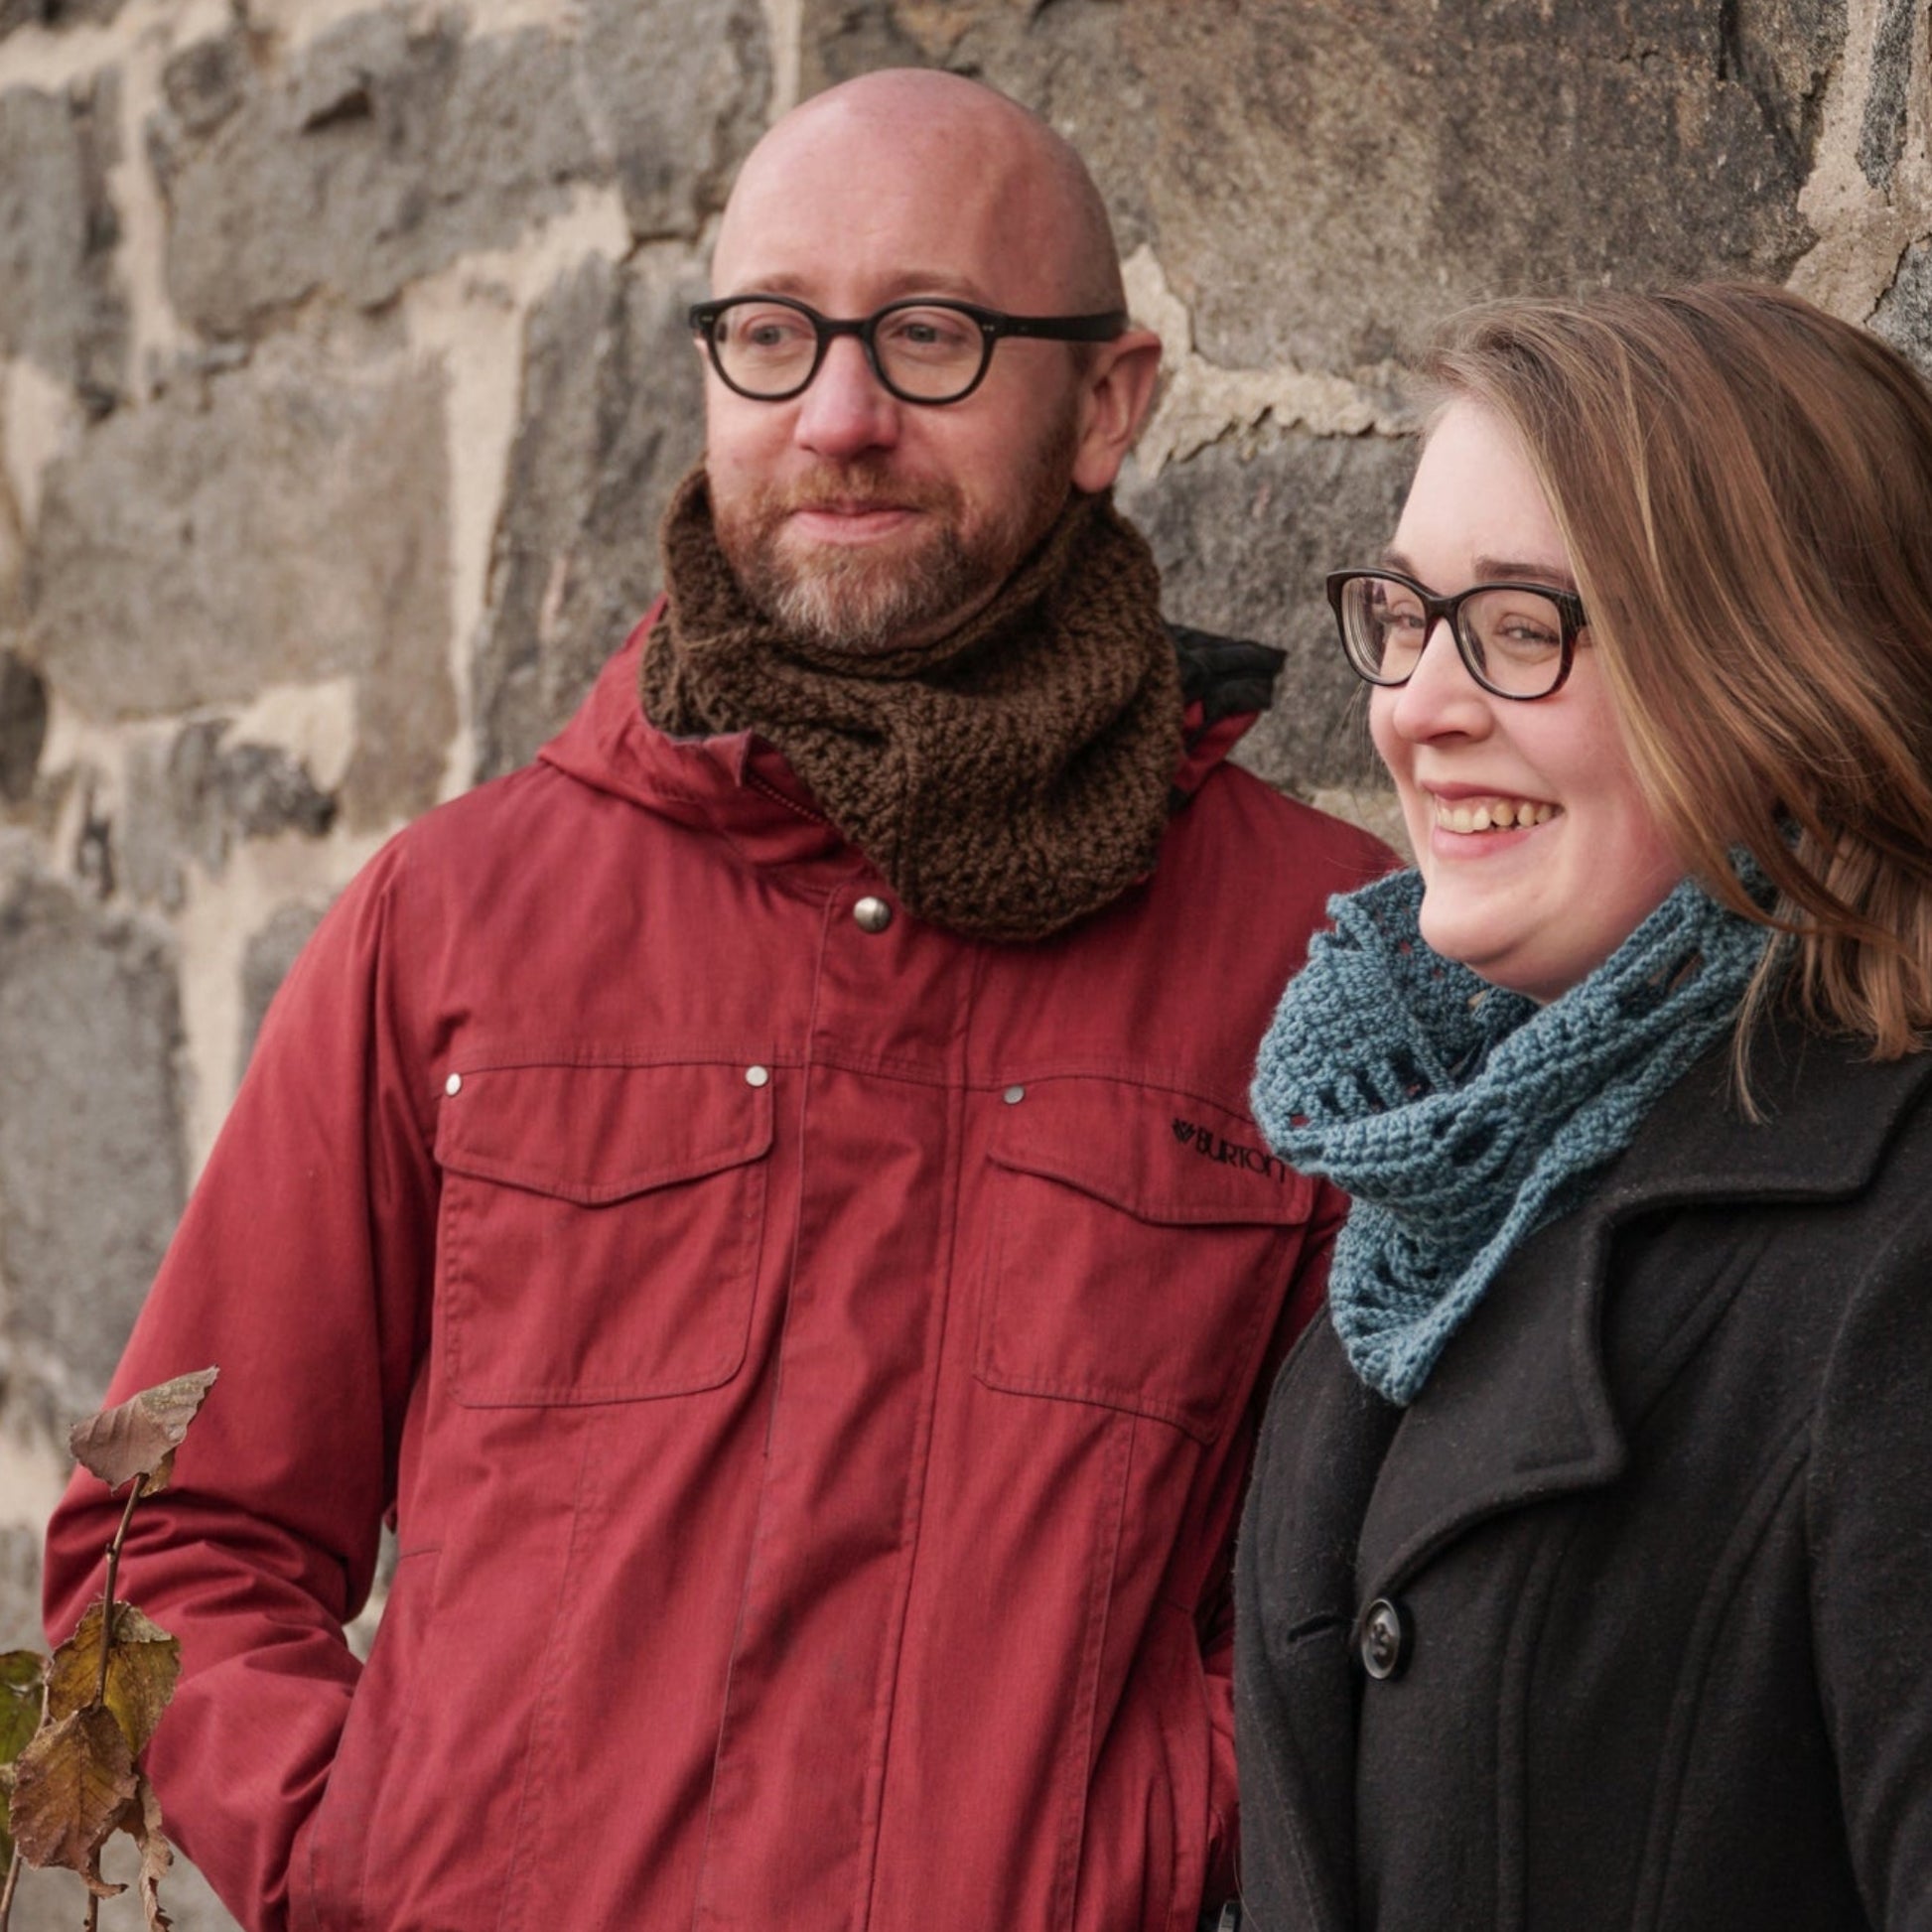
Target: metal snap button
{"x":1014,"y":1095}
{"x":757,"y":1077}
{"x":1385,"y":1638}
{"x":873,"y":915}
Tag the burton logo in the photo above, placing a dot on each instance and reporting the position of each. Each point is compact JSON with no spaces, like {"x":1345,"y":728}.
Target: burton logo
{"x":1215,"y":1146}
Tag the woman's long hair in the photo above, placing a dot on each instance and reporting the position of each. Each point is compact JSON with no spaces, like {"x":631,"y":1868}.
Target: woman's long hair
{"x":1744,"y":484}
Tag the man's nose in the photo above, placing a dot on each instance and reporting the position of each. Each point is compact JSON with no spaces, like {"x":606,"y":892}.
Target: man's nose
{"x":847,"y":410}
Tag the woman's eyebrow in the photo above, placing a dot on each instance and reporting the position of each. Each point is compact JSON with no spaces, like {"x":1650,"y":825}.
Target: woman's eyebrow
{"x":1543,"y":569}
{"x":1491,"y":570}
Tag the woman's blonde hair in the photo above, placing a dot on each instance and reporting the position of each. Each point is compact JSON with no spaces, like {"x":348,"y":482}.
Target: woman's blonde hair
{"x":1744,"y":485}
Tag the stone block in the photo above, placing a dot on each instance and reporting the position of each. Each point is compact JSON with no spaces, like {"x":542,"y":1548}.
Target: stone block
{"x":61,"y":304}
{"x":204,"y":84}
{"x":195,"y":798}
{"x":56,"y":14}
{"x":383,"y":154}
{"x":1244,"y":538}
{"x":265,"y":965}
{"x":386,"y":149}
{"x":1322,"y":184}
{"x":20,"y":1588}
{"x":284,"y":521}
{"x":23,"y":728}
{"x":611,"y":418}
{"x":92,"y":1166}
{"x":1882,"y":128}
{"x":1904,"y":312}
{"x":221,"y":793}
{"x":678,"y":93}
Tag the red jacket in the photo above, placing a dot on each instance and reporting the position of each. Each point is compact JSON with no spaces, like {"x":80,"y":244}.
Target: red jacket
{"x":813,"y":1372}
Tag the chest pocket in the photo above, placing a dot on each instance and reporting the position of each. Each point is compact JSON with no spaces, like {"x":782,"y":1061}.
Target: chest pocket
{"x":599,"y":1230}
{"x":1141,"y":1242}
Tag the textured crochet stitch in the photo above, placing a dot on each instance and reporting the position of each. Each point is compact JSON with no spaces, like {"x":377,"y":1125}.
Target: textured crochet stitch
{"x":1460,"y":1117}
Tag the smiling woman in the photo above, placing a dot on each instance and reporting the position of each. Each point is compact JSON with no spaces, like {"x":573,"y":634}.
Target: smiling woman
{"x":1571,"y":1525}
{"x":1539,"y":846}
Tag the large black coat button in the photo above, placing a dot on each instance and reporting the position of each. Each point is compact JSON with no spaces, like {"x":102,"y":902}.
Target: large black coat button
{"x":1382,"y":1639}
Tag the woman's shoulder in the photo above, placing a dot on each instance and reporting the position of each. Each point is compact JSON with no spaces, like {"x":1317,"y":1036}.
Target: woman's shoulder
{"x":1825,"y":1121}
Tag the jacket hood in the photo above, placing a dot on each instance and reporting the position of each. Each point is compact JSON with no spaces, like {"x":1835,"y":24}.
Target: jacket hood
{"x":739,"y":786}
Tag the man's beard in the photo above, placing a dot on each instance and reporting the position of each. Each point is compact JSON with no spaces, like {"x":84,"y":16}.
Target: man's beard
{"x":866,"y":598}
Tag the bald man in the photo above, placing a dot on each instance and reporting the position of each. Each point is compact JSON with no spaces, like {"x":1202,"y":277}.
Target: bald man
{"x":764,"y":1200}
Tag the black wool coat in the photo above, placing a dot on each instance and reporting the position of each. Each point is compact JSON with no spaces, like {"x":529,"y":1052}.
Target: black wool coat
{"x":1644,"y":1574}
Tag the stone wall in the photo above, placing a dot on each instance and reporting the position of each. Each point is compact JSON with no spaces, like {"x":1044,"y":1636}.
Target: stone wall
{"x":342,"y":382}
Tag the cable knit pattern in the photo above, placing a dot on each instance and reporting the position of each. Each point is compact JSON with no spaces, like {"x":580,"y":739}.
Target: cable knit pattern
{"x":1460,"y":1117}
{"x":1008,"y":779}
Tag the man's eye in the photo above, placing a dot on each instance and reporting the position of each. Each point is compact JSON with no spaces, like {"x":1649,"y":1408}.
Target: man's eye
{"x":928,"y":330}
{"x":772,"y":330}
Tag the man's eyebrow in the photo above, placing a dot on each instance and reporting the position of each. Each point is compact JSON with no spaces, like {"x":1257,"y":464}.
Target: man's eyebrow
{"x":1492,"y":570}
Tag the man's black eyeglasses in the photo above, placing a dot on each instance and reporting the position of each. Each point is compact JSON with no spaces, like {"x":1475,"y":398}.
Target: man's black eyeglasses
{"x":1517,"y":640}
{"x":769,"y":346}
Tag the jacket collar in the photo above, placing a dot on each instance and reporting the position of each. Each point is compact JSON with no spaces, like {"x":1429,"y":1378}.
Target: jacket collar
{"x":739,"y":787}
{"x":1537,"y":1334}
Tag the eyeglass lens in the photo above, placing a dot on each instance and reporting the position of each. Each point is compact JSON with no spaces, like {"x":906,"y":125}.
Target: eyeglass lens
{"x":1513,"y":638}
{"x":931,"y":353}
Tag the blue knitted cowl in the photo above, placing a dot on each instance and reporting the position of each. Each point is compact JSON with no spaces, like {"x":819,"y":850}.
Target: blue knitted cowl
{"x":1462,"y":1117}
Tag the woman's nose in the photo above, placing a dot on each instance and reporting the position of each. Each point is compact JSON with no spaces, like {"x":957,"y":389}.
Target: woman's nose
{"x":1440,"y":695}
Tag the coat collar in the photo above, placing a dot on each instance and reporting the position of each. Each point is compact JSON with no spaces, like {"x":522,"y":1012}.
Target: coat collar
{"x":1461,"y":1454}
{"x":738,"y":787}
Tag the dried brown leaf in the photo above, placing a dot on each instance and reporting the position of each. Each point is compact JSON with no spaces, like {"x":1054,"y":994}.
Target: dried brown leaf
{"x":143,"y":1665}
{"x":138,"y":1437}
{"x":142,"y":1823}
{"x":69,"y":1785}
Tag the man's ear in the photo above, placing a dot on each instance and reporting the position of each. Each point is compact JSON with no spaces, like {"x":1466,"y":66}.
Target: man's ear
{"x":1116,"y":393}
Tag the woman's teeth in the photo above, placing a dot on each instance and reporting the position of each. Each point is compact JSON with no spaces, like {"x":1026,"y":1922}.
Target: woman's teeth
{"x":1491,"y":814}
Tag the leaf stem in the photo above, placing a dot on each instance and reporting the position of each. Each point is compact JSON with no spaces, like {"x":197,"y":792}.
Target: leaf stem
{"x":135,"y":1492}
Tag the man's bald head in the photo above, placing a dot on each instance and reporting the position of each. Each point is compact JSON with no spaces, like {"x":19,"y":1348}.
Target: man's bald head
{"x":849,"y":511}
{"x":993,"y":162}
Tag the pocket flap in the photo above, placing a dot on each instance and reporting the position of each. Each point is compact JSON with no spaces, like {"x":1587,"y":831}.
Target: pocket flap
{"x":601,"y":1132}
{"x":1161,"y":1155}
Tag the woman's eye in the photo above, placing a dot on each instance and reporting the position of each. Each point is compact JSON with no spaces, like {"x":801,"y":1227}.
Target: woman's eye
{"x":1525,"y":633}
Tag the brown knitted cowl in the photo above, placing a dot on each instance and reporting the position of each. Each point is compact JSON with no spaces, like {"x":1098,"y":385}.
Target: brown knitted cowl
{"x":1008,"y":779}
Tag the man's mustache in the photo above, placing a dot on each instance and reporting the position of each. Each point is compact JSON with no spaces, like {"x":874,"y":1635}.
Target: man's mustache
{"x":858,"y":488}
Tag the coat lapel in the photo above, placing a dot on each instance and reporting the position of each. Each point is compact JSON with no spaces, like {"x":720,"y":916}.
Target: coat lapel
{"x":1519,"y":1409}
